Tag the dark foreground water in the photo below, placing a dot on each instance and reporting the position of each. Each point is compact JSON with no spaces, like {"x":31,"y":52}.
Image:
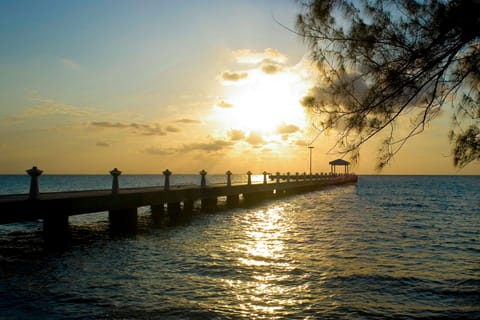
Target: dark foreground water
{"x":400,"y":247}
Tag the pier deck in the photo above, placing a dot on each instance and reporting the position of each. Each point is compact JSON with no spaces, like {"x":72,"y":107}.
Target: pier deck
{"x":18,"y":208}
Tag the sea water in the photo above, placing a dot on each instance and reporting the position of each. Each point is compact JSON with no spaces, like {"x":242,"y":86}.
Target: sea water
{"x":388,"y":247}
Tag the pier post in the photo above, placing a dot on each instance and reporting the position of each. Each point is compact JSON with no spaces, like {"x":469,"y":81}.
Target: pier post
{"x":203,"y":181}
{"x":115,"y":186}
{"x":229,"y":178}
{"x":34,"y":173}
{"x":249,"y":177}
{"x":121,"y":219}
{"x":207,"y":203}
{"x":166,"y":185}
{"x":232,"y":200}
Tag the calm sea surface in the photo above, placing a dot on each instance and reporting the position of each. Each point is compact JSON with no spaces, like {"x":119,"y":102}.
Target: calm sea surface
{"x":398,"y":247}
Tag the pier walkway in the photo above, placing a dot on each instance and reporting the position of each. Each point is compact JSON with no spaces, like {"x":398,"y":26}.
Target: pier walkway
{"x":168,"y":203}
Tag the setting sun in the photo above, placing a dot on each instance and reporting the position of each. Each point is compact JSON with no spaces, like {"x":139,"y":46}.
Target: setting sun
{"x":267,"y":104}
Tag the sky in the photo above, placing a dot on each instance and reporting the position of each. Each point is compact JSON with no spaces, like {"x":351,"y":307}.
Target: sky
{"x":86,"y":86}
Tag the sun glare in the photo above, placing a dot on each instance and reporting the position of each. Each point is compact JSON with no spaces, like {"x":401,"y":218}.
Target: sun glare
{"x":264,"y":102}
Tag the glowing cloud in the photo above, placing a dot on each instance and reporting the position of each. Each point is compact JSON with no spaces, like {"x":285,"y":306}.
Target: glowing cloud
{"x":287,"y":128}
{"x":254,"y":57}
{"x":234,"y":76}
{"x":255,"y":138}
{"x":236,"y":135}
{"x":224,"y":104}
{"x":271,"y":68}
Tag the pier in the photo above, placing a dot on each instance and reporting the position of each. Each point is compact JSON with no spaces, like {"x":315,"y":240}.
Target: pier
{"x":169,"y":204}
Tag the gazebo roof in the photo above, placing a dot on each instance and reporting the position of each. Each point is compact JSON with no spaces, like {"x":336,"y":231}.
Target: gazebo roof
{"x":339,"y":162}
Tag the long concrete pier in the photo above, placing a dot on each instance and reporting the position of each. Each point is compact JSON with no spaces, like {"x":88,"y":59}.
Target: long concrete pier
{"x":169,"y":204}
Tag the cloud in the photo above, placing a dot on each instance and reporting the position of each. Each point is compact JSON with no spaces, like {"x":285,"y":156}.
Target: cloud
{"x":172,"y":129}
{"x":236,"y":135}
{"x":302,"y":143}
{"x":187,"y":121}
{"x":234,"y":76}
{"x":159,"y":152}
{"x":216,"y":145}
{"x":287,"y":128}
{"x":152,"y":129}
{"x":271,"y":68}
{"x":69,"y":63}
{"x":47,"y":107}
{"x":106,"y":124}
{"x":224,"y":104}
{"x":254,"y":57}
{"x":102,"y":144}
{"x":255,"y":138}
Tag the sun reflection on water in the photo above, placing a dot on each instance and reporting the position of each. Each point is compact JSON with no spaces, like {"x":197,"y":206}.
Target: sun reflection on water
{"x":263,"y":256}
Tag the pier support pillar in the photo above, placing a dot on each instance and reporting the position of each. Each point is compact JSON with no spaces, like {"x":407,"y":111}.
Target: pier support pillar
{"x":159,"y":215}
{"x":56,"y":229}
{"x":123,"y":220}
{"x":187,"y":207}
{"x":233,"y":201}
{"x":173,"y":208}
{"x":174,"y":213}
{"x":254,"y":197}
{"x":208,"y":204}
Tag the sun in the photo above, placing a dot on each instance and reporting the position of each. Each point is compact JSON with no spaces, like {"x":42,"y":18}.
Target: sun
{"x":264,"y":102}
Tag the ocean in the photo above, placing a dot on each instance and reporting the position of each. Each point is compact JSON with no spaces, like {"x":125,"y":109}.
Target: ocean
{"x":388,"y":247}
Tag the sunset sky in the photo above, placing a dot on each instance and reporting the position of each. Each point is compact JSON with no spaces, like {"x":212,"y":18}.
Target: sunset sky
{"x":86,"y":86}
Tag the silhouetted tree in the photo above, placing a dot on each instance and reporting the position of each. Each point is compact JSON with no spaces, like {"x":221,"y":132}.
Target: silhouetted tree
{"x":386,"y":62}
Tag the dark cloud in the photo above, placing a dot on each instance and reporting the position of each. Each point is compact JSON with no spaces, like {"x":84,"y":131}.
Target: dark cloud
{"x":151,"y":129}
{"x":287,"y":129}
{"x":236,"y":135}
{"x":187,"y":121}
{"x":102,"y":144}
{"x":105,"y":124}
{"x":234,"y":76}
{"x":216,"y":145}
{"x":224,"y":104}
{"x":172,"y":129}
